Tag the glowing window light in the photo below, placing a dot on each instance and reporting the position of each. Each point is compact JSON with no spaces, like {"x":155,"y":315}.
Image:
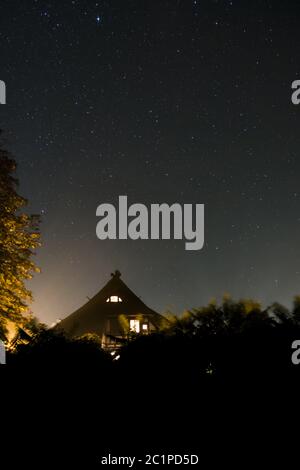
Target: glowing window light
{"x":145,"y":327}
{"x":134,"y":325}
{"x":114,"y":298}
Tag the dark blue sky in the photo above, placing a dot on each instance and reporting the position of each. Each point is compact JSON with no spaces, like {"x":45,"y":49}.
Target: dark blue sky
{"x":169,"y":101}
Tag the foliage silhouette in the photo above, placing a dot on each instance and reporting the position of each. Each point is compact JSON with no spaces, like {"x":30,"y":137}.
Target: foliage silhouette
{"x":236,"y":341}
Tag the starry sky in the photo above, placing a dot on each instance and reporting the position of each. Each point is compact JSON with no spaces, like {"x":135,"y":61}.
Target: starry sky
{"x":183,"y":101}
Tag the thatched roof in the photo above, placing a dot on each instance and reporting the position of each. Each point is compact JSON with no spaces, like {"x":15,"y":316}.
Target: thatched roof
{"x":93,"y":317}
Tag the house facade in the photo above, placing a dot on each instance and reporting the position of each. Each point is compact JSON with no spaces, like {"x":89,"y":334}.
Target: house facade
{"x":114,"y":314}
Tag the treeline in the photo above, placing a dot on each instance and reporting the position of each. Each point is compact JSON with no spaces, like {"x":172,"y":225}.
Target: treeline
{"x":232,"y":342}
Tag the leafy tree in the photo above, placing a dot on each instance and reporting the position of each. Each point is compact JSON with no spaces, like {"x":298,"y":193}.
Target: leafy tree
{"x":19,"y":237}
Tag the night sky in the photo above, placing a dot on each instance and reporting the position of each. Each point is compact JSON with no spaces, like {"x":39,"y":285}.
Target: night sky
{"x":183,"y":101}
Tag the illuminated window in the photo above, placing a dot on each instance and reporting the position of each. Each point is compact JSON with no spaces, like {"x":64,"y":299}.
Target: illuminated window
{"x":114,"y":298}
{"x":134,"y":325}
{"x":145,"y":327}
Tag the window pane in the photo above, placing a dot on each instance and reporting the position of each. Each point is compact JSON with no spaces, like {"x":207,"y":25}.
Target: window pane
{"x":114,"y":298}
{"x":134,"y":325}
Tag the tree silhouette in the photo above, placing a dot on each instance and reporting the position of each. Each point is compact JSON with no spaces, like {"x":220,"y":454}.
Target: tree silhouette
{"x":234,"y":344}
{"x":19,"y":237}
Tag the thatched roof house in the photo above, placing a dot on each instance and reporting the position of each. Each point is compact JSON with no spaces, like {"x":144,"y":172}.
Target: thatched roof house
{"x":112,"y":314}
